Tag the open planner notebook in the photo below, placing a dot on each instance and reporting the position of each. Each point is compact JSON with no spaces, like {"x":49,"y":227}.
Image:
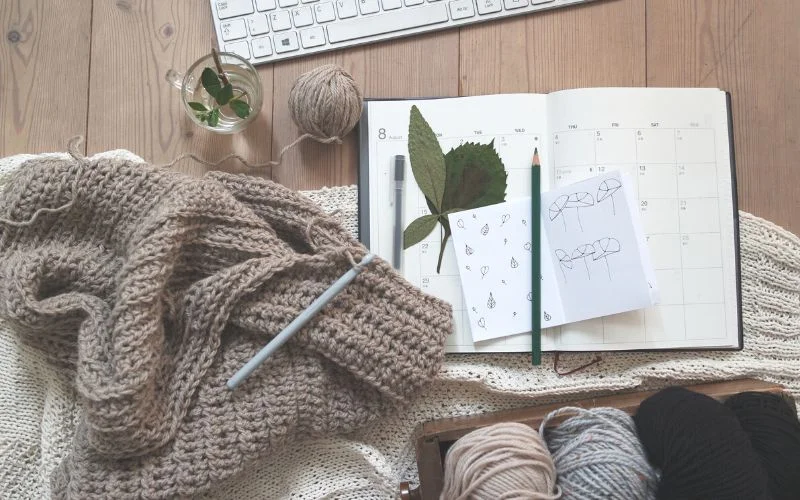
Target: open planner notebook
{"x":673,"y":145}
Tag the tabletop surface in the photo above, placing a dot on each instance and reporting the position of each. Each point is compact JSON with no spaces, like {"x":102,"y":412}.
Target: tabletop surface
{"x":96,"y":68}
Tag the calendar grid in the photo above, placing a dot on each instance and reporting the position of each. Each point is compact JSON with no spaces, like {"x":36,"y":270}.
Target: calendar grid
{"x":665,"y":173}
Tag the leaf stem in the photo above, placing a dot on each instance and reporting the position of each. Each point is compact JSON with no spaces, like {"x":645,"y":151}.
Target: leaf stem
{"x":218,"y":64}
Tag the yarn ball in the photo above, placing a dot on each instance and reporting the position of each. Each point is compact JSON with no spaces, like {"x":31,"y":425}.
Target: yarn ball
{"x":598,"y":455}
{"x":773,"y":427}
{"x":502,"y":461}
{"x":325,"y":103}
{"x":700,"y":447}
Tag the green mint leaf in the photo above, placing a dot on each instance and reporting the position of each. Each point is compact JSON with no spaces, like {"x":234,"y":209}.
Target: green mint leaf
{"x":197,"y":106}
{"x":225,"y":94}
{"x":241,"y":108}
{"x":213,"y":117}
{"x":476,"y":177}
{"x":418,"y":230}
{"x":210,"y":82}
{"x":427,"y":160}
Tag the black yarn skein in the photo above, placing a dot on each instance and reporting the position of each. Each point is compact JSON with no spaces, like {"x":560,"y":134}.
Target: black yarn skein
{"x":773,"y":427}
{"x":700,"y":447}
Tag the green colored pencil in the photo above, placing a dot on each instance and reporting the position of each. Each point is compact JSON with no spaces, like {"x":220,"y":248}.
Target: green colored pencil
{"x":536,"y":280}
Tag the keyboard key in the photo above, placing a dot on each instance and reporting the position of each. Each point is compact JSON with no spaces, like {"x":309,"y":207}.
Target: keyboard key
{"x":258,"y":24}
{"x":312,"y":37}
{"x":287,"y":3}
{"x":461,"y":9}
{"x":409,"y":3}
{"x":263,"y":5}
{"x":233,"y":8}
{"x":309,"y":1}
{"x":280,"y":21}
{"x":489,"y":6}
{"x":286,"y":42}
{"x":261,"y":47}
{"x":391,"y":4}
{"x":346,"y":8}
{"x":302,"y":17}
{"x":324,"y":12}
{"x":387,"y":23}
{"x":368,"y":6}
{"x":233,"y":30}
{"x":238,"y":48}
{"x":515,"y":4}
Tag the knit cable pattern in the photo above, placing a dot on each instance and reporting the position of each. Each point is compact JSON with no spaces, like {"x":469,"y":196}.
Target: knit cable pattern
{"x":152,"y":288}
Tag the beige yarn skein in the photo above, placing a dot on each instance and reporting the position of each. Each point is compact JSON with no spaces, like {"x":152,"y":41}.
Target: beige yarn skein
{"x":325,"y":103}
{"x":507,"y":461}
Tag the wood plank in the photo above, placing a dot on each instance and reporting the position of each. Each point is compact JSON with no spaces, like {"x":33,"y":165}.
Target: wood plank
{"x":596,"y":44}
{"x":750,"y":48}
{"x":410,"y":67}
{"x":44,"y":73}
{"x":131,"y":104}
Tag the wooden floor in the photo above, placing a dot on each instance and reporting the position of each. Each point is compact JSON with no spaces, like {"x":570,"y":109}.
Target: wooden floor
{"x":95,"y":67}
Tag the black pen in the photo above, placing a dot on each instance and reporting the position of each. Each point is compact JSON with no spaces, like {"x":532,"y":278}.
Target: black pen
{"x":399,"y":174}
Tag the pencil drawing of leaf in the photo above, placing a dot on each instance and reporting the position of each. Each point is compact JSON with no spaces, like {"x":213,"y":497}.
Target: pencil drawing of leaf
{"x":491,"y":302}
{"x":529,"y":296}
{"x":468,"y":250}
{"x":418,"y":230}
{"x":460,"y":223}
{"x":603,"y":248}
{"x":582,"y":252}
{"x":564,"y":261}
{"x":557,"y":207}
{"x":527,"y":246}
{"x":514,"y":263}
{"x":482,"y":323}
{"x":484,"y":271}
{"x":427,"y":160}
{"x":547,"y":317}
{"x":606,"y":191}
{"x":485,"y":229}
{"x":504,"y":219}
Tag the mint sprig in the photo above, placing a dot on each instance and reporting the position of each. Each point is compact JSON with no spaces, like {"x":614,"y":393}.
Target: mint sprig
{"x":222,"y":92}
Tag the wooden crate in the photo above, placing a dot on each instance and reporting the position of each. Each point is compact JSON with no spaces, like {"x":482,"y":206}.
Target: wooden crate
{"x":434,"y":438}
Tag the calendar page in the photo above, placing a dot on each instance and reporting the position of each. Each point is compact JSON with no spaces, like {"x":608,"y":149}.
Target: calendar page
{"x":675,"y":144}
{"x":516,"y":124}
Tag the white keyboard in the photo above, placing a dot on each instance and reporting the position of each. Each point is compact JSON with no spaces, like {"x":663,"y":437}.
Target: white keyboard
{"x":264,"y":31}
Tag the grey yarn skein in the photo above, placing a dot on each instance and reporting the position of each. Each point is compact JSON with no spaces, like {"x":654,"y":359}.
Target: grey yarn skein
{"x":325,"y":103}
{"x":598,"y":455}
{"x":504,"y":461}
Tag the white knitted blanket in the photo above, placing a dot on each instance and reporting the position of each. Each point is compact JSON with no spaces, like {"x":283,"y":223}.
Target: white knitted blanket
{"x":38,"y":410}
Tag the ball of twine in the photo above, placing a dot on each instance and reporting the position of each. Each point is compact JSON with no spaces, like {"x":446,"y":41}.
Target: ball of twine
{"x":774,"y":430}
{"x":508,"y":460}
{"x":598,"y":455}
{"x":325,"y":103}
{"x":700,"y":447}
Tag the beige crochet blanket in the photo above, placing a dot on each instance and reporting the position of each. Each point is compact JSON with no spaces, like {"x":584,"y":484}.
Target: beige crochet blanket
{"x":38,"y":409}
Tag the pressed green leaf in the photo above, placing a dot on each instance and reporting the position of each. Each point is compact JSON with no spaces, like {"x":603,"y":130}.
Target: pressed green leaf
{"x":241,"y":108}
{"x":476,"y":177}
{"x":418,"y":230}
{"x":210,"y":82}
{"x":427,"y":160}
{"x":213,"y":117}
{"x":197,"y":106}
{"x":224,"y":95}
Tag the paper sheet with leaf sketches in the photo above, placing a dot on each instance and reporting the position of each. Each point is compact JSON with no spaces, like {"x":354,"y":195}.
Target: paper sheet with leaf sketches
{"x":594,"y":258}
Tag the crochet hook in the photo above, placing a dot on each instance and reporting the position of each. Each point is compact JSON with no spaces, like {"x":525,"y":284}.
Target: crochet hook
{"x":298,"y":322}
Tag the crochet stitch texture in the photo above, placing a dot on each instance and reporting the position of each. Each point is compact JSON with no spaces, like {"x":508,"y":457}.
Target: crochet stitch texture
{"x":152,"y":288}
